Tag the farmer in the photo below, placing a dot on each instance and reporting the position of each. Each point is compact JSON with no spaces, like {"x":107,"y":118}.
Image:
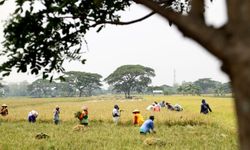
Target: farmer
{"x":162,"y":104}
{"x":148,"y":126}
{"x":169,"y":106}
{"x":84,"y":116}
{"x":4,"y":110}
{"x":137,"y":119}
{"x":32,"y":116}
{"x":205,"y":108}
{"x":116,"y":114}
{"x":150,"y":107}
{"x":56,"y":115}
{"x":157,"y":108}
{"x":178,"y":107}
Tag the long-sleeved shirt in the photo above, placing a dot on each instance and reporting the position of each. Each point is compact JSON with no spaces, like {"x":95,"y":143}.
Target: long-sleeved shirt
{"x":56,"y":114}
{"x":147,"y":126}
{"x":116,"y":113}
{"x":138,"y":119}
{"x":205,"y":108}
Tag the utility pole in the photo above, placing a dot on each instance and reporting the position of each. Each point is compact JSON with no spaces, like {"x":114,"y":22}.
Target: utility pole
{"x":174,"y":81}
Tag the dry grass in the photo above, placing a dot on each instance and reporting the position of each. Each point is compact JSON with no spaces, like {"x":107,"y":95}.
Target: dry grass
{"x":188,"y":129}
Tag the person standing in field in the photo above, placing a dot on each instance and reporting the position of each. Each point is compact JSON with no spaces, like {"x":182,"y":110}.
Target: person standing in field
{"x":32,"y":116}
{"x":116,"y":114}
{"x":56,"y":115}
{"x":148,"y":126}
{"x":84,"y":117}
{"x":4,"y":110}
{"x":137,"y":119}
{"x":205,"y":108}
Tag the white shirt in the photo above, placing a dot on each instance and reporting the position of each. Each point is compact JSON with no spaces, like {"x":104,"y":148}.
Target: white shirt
{"x":116,"y":111}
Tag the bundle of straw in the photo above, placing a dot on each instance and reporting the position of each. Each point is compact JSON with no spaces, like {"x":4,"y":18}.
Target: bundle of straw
{"x":79,"y":128}
{"x":78,"y":114}
{"x":42,"y":136}
{"x":154,"y":141}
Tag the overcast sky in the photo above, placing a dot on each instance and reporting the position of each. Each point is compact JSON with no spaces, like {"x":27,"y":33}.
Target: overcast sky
{"x":152,"y":43}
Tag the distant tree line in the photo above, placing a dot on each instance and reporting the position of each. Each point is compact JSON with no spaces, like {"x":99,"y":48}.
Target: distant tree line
{"x":201,"y":86}
{"x":127,"y":79}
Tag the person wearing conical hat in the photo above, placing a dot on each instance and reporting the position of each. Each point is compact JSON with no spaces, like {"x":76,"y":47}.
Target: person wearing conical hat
{"x":32,"y":116}
{"x":4,"y":110}
{"x":137,"y":118}
{"x":84,"y":116}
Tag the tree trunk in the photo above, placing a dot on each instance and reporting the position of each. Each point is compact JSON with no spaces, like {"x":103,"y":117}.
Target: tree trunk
{"x":128,"y":93}
{"x":243,"y":110}
{"x":80,"y":94}
{"x":238,"y":68}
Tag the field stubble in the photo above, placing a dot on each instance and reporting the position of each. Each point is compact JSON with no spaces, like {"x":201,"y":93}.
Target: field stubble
{"x":176,"y":130}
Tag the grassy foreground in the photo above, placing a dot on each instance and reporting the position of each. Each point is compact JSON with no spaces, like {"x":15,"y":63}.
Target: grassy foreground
{"x":186,"y":130}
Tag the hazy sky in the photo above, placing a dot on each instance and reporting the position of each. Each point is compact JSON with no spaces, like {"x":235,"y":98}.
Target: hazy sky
{"x":152,"y":43}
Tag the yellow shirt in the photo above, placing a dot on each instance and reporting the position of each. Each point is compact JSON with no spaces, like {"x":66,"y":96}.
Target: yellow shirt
{"x":138,"y":119}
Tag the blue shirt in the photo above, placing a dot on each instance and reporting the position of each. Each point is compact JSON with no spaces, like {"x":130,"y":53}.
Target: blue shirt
{"x":146,"y":126}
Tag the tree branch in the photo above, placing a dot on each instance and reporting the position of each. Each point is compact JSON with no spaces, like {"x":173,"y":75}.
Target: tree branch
{"x":197,"y":9}
{"x":124,"y":23}
{"x":210,"y":38}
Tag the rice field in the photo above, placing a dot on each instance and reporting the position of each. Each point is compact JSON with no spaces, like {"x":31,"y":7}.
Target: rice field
{"x":187,"y":130}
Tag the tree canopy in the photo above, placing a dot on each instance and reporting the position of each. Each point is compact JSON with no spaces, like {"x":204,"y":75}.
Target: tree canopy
{"x":206,"y":84}
{"x":84,"y":82}
{"x":42,"y":88}
{"x":41,"y":34}
{"x":129,"y":78}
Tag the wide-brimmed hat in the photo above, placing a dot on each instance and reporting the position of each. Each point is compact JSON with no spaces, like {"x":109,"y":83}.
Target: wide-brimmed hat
{"x":84,"y":107}
{"x":4,"y":105}
{"x":35,"y":113}
{"x":136,"y":111}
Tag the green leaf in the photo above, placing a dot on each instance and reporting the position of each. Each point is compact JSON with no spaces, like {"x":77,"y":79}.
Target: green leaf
{"x":62,"y":79}
{"x":34,"y":71}
{"x":45,"y":76}
{"x":1,"y":2}
{"x":100,"y":28}
{"x":83,"y":61}
{"x":6,"y":74}
{"x":51,"y":78}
